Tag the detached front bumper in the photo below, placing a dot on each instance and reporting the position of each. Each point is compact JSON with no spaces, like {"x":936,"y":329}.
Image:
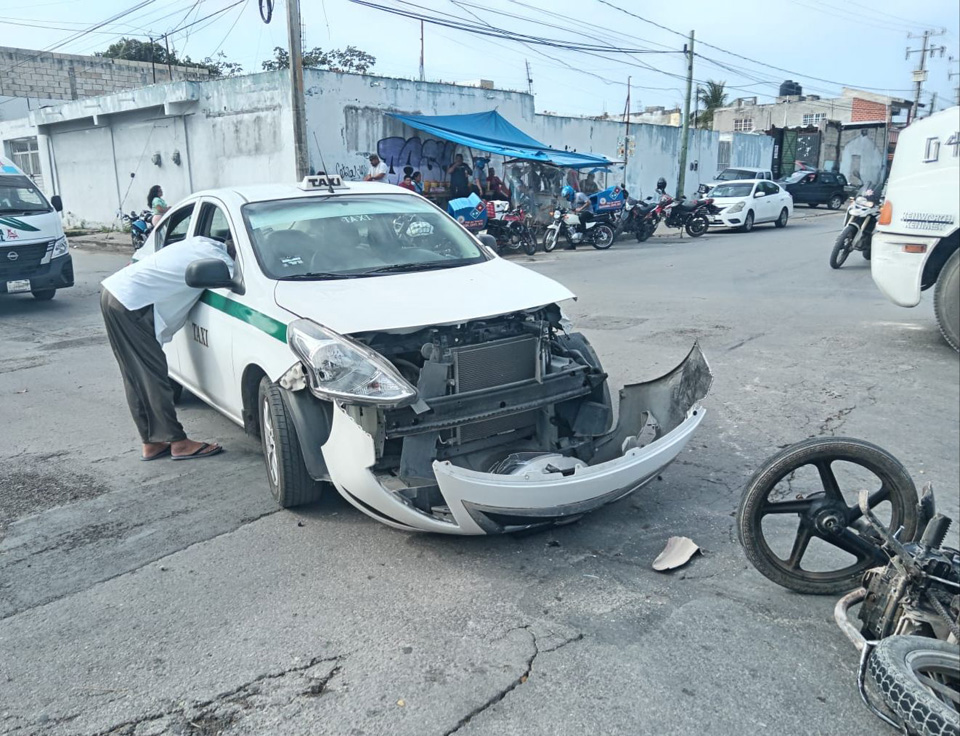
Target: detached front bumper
{"x":656,"y":420}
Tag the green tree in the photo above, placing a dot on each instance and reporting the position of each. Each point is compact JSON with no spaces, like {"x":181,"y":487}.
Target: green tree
{"x":710,"y":98}
{"x":350,"y":59}
{"x":132,"y":49}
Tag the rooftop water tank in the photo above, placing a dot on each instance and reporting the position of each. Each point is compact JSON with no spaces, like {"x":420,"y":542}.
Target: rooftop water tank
{"x":790,"y":89}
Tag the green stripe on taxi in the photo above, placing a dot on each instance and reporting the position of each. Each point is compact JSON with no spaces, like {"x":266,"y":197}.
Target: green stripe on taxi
{"x":261,"y":321}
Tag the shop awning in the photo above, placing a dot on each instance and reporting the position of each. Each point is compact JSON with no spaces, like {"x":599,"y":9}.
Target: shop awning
{"x":491,"y":132}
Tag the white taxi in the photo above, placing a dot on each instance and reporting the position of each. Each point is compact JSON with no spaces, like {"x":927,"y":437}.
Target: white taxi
{"x":749,"y":202}
{"x":374,"y":344}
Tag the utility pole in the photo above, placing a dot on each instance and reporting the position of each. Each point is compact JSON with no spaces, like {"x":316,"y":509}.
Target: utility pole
{"x":529,"y":78}
{"x":685,"y":131}
{"x":626,"y":136}
{"x":296,"y":88}
{"x":166,"y":42}
{"x":920,"y":73}
{"x":153,"y":66}
{"x":933,"y":104}
{"x":421,"y":51}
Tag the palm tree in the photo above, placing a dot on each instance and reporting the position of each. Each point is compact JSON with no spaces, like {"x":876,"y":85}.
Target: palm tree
{"x":710,"y":98}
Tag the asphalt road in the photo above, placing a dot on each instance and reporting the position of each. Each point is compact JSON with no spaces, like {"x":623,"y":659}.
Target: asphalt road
{"x":149,"y":598}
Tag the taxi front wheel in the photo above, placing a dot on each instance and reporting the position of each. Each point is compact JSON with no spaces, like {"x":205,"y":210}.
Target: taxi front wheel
{"x":287,"y":475}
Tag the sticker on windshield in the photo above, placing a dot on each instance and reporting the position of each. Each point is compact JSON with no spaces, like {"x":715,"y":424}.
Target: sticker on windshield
{"x":356,"y":218}
{"x":292,"y":261}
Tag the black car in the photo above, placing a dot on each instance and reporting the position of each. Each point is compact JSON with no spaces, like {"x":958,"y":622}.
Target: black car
{"x":817,"y":187}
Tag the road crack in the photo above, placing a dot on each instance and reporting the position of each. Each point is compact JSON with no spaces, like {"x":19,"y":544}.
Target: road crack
{"x":523,"y":677}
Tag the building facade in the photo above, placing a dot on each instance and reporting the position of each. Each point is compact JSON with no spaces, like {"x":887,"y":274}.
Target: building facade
{"x":103,"y":154}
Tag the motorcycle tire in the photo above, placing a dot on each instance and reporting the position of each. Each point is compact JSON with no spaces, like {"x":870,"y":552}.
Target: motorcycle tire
{"x":644,"y":232}
{"x":866,"y":253}
{"x":778,"y":477}
{"x":843,"y":246}
{"x":550,"y":239}
{"x":899,"y":668}
{"x":528,"y":243}
{"x":697,"y":226}
{"x":603,"y":237}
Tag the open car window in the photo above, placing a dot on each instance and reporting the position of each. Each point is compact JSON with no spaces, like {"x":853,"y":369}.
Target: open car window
{"x":355,"y":236}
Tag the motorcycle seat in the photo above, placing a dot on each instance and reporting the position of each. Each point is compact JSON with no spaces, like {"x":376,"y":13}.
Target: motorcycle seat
{"x":690,"y":204}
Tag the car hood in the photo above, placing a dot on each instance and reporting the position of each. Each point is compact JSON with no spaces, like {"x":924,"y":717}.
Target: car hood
{"x":728,"y":201}
{"x":420,"y":299}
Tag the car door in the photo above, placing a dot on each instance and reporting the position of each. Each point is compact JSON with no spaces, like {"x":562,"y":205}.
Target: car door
{"x":762,"y":204}
{"x":827,"y":187}
{"x":174,"y":228}
{"x":205,"y":344}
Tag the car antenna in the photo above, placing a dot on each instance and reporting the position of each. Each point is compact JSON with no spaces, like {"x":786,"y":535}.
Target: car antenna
{"x":322,"y":163}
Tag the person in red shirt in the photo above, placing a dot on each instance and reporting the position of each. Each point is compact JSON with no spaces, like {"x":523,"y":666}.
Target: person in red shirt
{"x":498,"y":190}
{"x":407,"y":183}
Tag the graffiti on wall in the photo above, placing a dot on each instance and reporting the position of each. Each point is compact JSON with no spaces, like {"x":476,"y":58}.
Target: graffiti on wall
{"x":351,"y":173}
{"x":430,"y":157}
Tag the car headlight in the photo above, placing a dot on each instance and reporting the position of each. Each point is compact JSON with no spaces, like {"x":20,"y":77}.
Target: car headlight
{"x":60,"y":247}
{"x":736,"y":208}
{"x":340,"y":368}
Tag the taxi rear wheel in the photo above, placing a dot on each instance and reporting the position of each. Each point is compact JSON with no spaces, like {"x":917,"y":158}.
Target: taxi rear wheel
{"x":290,"y":483}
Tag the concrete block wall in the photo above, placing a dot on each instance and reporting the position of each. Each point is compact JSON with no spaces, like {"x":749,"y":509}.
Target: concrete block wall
{"x":29,"y":73}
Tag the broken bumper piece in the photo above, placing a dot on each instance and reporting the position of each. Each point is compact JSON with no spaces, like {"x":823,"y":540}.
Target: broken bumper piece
{"x":656,"y":420}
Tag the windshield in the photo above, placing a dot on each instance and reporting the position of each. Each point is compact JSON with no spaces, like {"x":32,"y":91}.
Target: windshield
{"x":353,"y":236}
{"x":19,"y":196}
{"x":797,"y":176}
{"x":732,"y":190}
{"x":734,"y":174}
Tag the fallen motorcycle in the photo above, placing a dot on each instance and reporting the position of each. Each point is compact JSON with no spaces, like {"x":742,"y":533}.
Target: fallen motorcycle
{"x":909,"y":583}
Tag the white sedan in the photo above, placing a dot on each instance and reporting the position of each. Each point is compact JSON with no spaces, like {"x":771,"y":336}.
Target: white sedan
{"x":375,"y":345}
{"x":743,"y":204}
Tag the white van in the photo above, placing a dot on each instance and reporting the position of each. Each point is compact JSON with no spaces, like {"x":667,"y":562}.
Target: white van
{"x":33,"y":249}
{"x":917,"y":244}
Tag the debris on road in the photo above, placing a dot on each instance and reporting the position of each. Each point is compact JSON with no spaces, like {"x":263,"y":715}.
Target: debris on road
{"x":678,"y":552}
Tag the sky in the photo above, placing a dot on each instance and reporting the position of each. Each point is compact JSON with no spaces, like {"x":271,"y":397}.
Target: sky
{"x":822,"y":45}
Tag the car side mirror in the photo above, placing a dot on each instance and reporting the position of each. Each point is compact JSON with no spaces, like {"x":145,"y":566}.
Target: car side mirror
{"x":57,"y":202}
{"x":757,"y":194}
{"x":489,"y":241}
{"x":209,"y":273}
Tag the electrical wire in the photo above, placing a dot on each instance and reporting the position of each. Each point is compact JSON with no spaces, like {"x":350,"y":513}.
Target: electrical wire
{"x":741,"y":56}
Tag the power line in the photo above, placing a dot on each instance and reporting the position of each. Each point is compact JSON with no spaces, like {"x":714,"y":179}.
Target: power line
{"x":747,"y":58}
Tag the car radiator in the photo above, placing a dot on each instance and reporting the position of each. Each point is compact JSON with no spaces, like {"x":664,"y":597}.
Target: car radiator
{"x":493,"y":364}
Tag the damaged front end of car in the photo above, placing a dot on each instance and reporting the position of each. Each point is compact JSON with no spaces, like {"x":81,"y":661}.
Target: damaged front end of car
{"x":491,"y":426}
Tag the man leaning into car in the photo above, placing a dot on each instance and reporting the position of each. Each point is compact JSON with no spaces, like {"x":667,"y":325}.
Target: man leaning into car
{"x":143,"y":306}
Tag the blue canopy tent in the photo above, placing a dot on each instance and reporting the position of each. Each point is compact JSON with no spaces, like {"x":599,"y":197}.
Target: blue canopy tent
{"x":490,"y":131}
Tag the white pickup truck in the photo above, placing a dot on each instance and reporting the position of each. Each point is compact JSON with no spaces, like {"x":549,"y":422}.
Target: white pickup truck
{"x":917,"y":244}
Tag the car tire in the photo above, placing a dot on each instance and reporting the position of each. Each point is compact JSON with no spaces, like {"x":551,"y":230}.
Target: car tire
{"x":835,"y":202}
{"x":782,"y":220}
{"x":747,"y":225}
{"x":946,"y":301}
{"x":44,"y":295}
{"x":287,"y":475}
{"x":895,"y":669}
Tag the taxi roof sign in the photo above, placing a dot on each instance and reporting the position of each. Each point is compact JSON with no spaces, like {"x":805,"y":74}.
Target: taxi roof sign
{"x":322,"y":181}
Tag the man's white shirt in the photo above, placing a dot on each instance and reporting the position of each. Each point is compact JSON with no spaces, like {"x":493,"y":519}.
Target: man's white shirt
{"x":159,"y":279}
{"x":380,"y":168}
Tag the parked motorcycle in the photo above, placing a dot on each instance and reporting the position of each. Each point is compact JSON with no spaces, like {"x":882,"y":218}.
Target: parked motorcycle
{"x":566,"y":224}
{"x":858,"y":227}
{"x":909,"y":594}
{"x":140,"y":227}
{"x":513,"y":231}
{"x":692,"y":215}
{"x":642,"y":220}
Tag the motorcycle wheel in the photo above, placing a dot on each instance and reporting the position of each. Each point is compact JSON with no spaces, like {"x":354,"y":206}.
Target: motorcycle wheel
{"x":529,"y":243}
{"x":697,"y":226}
{"x":843,"y":246}
{"x":550,"y":239}
{"x":644,"y":232}
{"x":917,"y":678}
{"x":602,"y":237}
{"x":825,"y":514}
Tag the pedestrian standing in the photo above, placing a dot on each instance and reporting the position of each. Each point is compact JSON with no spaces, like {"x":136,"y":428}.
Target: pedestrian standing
{"x":156,"y":203}
{"x":143,"y":306}
{"x":377,"y":170}
{"x":460,"y":175}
